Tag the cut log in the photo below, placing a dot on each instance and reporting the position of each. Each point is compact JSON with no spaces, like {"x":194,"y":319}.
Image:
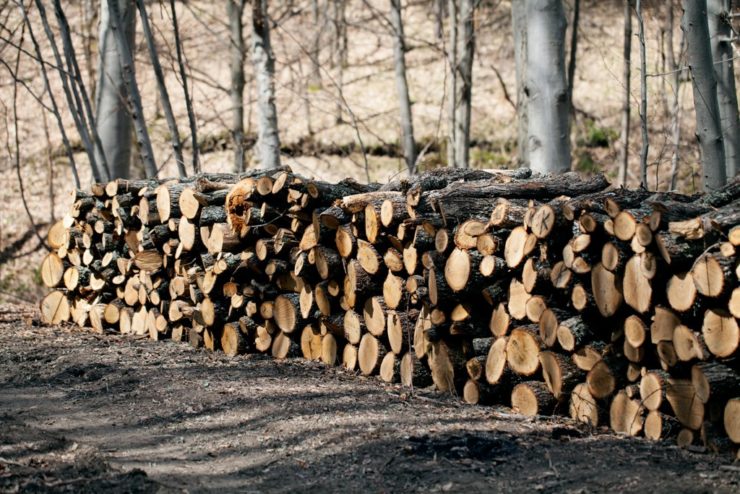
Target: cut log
{"x":283,"y":347}
{"x":390,"y":368}
{"x":688,"y":345}
{"x":687,"y":407}
{"x":370,"y":354}
{"x":233,"y":342}
{"x":732,"y":420}
{"x":713,"y":275}
{"x":721,"y":333}
{"x":519,"y":244}
{"x":681,"y":292}
{"x":660,"y":426}
{"x":560,"y":374}
{"x":532,"y":398}
{"x":625,"y":414}
{"x":286,"y":312}
{"x":653,"y":387}
{"x":311,"y":343}
{"x":413,"y":372}
{"x":714,"y":380}
{"x":329,"y":349}
{"x":55,"y":308}
{"x":52,"y":270}
{"x":349,"y":357}
{"x":523,"y":350}
{"x":607,"y":290}
{"x":573,"y":333}
{"x":583,"y":406}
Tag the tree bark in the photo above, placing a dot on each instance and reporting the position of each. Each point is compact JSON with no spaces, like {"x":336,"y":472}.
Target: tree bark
{"x":626,"y":102}
{"x":120,"y":26}
{"x":234,"y":10}
{"x":573,"y":54}
{"x":264,"y":67}
{"x":404,"y":102}
{"x":113,"y":120}
{"x":464,"y":85}
{"x":452,"y":104}
{"x":720,"y":34}
{"x":519,"y":25}
{"x":548,"y":137}
{"x":708,"y":129}
{"x":643,"y":98}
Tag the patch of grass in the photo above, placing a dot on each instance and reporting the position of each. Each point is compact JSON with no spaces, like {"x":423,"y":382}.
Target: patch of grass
{"x":597,"y":136}
{"x":585,"y":162}
{"x":488,"y":158}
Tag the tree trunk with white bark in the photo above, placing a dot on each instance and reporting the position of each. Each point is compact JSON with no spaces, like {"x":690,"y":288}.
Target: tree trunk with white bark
{"x":234,"y":10}
{"x":404,"y":102}
{"x":113,"y":121}
{"x":519,"y":25}
{"x":708,"y":129}
{"x":464,"y":86}
{"x":548,"y":135}
{"x":720,"y":34}
{"x":264,"y":68}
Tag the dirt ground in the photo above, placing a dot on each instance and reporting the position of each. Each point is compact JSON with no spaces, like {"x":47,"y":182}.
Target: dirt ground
{"x":89,"y":413}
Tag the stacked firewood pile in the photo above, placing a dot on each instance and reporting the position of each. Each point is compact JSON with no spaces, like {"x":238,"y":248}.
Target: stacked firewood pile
{"x":555,"y":295}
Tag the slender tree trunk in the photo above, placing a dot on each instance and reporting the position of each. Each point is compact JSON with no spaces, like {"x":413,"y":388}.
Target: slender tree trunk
{"x":126,"y":59}
{"x":453,"y":61}
{"x":52,"y":99}
{"x":626,"y":101}
{"x":164,"y":96}
{"x":404,"y":102}
{"x":111,"y":115}
{"x":674,"y":67}
{"x":82,"y":100}
{"x":466,"y":50}
{"x":235,"y":9}
{"x":573,"y":54}
{"x":643,"y":97}
{"x":340,"y":52}
{"x":708,"y":129}
{"x":548,"y":134}
{"x":440,"y":12}
{"x":720,"y":34}
{"x":315,"y":78}
{"x":184,"y":79}
{"x":519,"y":24}
{"x":264,"y":67}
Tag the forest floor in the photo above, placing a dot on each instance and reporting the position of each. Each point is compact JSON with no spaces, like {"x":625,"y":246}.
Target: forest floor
{"x":81,"y":412}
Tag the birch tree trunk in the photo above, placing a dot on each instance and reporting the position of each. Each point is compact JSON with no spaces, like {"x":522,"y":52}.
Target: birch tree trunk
{"x":548,"y":115}
{"x":464,"y":86}
{"x":519,"y":24}
{"x":708,"y":129}
{"x":234,"y":10}
{"x":112,"y":118}
{"x":404,"y":102}
{"x":452,"y":60}
{"x":264,"y":68}
{"x":626,"y":102}
{"x":720,"y":34}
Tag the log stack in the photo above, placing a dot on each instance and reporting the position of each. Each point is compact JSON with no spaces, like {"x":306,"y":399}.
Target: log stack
{"x":555,"y":295}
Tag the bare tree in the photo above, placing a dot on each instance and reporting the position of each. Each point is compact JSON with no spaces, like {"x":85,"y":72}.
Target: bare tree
{"x":264,"y":68}
{"x":548,"y":115}
{"x":519,"y":26}
{"x":573,"y":53}
{"x":399,"y":56}
{"x":452,"y":61}
{"x":162,"y":88}
{"x":720,"y":34}
{"x":464,"y":85}
{"x":708,"y":129}
{"x":643,"y":96}
{"x":674,"y":66}
{"x":184,"y":80}
{"x":626,"y":99}
{"x":235,"y":10}
{"x":128,"y":74}
{"x":111,"y":115}
{"x":339,"y":59}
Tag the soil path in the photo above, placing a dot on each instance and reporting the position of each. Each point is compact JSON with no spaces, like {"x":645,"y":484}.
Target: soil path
{"x":87,"y":413}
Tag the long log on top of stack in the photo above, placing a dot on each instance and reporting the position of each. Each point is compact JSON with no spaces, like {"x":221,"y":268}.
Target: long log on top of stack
{"x":555,"y":295}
